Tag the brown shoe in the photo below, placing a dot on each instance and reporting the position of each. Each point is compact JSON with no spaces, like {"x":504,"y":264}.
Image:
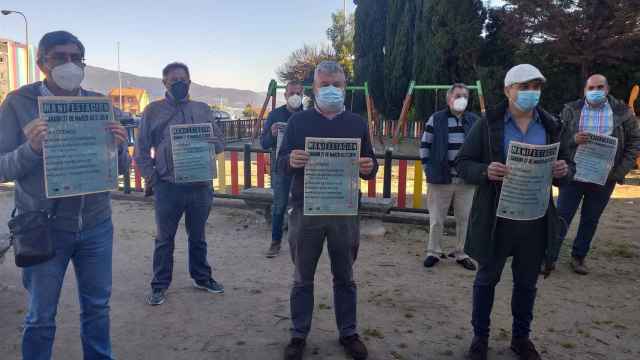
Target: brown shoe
{"x":354,"y":347}
{"x":295,"y":349}
{"x":274,"y":250}
{"x":578,"y":266}
{"x":524,"y":348}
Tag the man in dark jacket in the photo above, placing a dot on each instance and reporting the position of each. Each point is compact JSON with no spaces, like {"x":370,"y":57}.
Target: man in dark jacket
{"x":281,"y":184}
{"x":598,"y":113}
{"x":82,"y":229}
{"x":491,"y":240}
{"x":307,"y":233}
{"x":443,"y":137}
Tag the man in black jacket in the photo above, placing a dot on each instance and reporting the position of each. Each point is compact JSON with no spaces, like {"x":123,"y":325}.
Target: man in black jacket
{"x":491,"y":240}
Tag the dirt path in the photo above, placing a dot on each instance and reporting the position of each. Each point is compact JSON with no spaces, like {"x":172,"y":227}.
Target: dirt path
{"x":405,"y":311}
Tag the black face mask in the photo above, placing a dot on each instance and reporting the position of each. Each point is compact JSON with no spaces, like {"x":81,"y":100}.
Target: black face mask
{"x":179,"y":90}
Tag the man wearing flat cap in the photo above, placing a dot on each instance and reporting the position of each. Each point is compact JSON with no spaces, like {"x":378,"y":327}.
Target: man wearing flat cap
{"x":491,"y":239}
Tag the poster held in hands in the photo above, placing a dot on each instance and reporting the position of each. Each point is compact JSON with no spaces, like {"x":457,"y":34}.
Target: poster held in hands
{"x":331,"y":177}
{"x":193,"y":153}
{"x":80,"y":155}
{"x":281,"y":131}
{"x":526,"y":189}
{"x":595,"y":159}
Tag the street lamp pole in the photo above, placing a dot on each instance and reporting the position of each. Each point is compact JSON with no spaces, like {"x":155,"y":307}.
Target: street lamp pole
{"x":26,"y":34}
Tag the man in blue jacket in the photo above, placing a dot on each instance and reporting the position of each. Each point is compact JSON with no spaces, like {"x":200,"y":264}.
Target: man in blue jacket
{"x":281,"y":184}
{"x":443,"y":137}
{"x":82,"y":229}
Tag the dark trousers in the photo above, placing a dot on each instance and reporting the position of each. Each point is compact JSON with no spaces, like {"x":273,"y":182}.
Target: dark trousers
{"x":525,"y":241}
{"x":594,"y":200}
{"x":171,"y":202}
{"x":281,"y":185}
{"x":306,"y":241}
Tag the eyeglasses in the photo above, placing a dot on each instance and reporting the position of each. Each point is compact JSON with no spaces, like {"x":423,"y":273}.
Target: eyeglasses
{"x":63,"y":58}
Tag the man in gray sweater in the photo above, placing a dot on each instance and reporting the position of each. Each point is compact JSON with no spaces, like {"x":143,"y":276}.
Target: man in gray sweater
{"x":82,"y":229}
{"x":173,"y":198}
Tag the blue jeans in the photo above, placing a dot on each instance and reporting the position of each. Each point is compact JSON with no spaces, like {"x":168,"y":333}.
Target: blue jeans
{"x":90,"y":250}
{"x":594,"y":200}
{"x":171,"y":202}
{"x":281,"y":187}
{"x":525,"y":241}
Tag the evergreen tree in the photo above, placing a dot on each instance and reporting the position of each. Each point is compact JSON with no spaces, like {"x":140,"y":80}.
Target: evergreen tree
{"x":398,"y":61}
{"x":448,"y":44}
{"x":369,"y":41}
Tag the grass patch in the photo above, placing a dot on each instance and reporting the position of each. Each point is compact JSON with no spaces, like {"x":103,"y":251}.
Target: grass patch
{"x":374,"y":333}
{"x":620,"y":250}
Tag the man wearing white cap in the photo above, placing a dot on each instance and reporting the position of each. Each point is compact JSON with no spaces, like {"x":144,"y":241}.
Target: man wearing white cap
{"x":491,"y":240}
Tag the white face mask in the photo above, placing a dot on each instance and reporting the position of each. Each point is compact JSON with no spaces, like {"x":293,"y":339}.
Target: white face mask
{"x":294,"y":101}
{"x":460,"y":104}
{"x":68,"y":76}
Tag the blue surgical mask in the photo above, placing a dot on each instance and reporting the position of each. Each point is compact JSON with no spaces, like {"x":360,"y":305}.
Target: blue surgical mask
{"x":330,"y":99}
{"x":596,"y":96}
{"x":527,"y":99}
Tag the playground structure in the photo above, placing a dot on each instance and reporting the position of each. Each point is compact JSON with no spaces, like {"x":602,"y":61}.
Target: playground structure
{"x":389,"y":127}
{"x":272,"y":93}
{"x":408,"y":102}
{"x":633,"y":97}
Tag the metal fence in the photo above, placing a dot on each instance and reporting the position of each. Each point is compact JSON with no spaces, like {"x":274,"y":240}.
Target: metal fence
{"x":241,"y":167}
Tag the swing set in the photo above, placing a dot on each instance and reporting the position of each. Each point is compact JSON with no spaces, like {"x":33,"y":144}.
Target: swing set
{"x":633,"y":96}
{"x":273,"y":91}
{"x":408,"y":102}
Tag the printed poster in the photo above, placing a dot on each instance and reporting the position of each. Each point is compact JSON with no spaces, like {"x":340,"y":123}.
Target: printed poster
{"x":331,"y":177}
{"x":595,"y":159}
{"x":80,"y":155}
{"x":194,"y":158}
{"x":526,"y":190}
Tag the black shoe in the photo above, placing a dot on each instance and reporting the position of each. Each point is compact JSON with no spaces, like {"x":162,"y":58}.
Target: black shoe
{"x":467,"y":264}
{"x":354,"y":347}
{"x":156,"y":297}
{"x":479,"y":348}
{"x":524,"y":348}
{"x":295,"y":349}
{"x":210,"y":286}
{"x":274,"y":250}
{"x":430,"y":261}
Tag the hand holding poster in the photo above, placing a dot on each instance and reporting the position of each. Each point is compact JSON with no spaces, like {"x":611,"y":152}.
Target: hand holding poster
{"x":594,"y":159}
{"x":331,"y":177}
{"x":526,"y":190}
{"x":193,"y":154}
{"x":80,"y":155}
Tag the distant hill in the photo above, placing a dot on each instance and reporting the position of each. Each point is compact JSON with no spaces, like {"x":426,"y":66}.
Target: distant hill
{"x":103,"y":80}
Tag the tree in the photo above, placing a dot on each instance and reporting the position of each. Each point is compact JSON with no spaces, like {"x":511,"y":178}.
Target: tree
{"x":570,"y":40}
{"x":583,"y":33}
{"x":341,"y":35}
{"x":447,"y":45}
{"x":369,"y":41}
{"x":398,"y":61}
{"x":302,"y":62}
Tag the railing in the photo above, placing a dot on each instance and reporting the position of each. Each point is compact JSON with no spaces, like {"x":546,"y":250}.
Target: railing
{"x":235,"y":130}
{"x":399,"y":177}
{"x":386,"y":128}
